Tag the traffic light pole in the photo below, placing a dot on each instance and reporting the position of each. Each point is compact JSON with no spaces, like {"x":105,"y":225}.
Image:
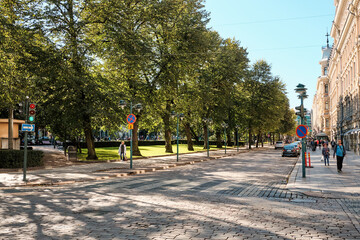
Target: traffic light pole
{"x":26,"y":140}
{"x":303,"y":147}
{"x":131,"y":141}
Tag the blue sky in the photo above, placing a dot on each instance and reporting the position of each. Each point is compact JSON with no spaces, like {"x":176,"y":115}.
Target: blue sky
{"x":288,"y":34}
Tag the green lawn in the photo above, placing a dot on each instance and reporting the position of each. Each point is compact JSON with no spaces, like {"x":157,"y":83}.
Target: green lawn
{"x":111,"y":153}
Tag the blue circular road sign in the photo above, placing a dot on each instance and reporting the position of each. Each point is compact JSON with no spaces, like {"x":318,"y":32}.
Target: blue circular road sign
{"x":301,"y":131}
{"x":131,"y":118}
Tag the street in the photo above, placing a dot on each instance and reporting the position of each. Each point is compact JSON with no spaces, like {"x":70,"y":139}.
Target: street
{"x":239,"y":197}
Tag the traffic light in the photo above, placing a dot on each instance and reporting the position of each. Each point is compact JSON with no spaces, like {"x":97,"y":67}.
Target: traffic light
{"x":32,"y":112}
{"x":300,"y":111}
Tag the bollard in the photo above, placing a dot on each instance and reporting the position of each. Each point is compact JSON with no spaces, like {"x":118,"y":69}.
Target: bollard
{"x":309,"y":166}
{"x":305,"y":160}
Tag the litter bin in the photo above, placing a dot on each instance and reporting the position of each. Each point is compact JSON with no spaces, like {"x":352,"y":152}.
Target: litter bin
{"x":72,"y":153}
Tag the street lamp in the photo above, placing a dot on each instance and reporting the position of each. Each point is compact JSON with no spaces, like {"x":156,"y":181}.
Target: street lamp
{"x":208,"y":121}
{"x":181,"y":116}
{"x":225,"y":125}
{"x":138,"y":107}
{"x":301,"y":90}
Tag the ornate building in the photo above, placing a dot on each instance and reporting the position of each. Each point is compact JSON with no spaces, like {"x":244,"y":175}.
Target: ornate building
{"x":321,"y":102}
{"x":343,"y":74}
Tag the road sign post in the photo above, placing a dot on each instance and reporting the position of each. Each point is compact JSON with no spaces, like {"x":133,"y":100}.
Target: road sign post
{"x":131,"y":119}
{"x":300,"y":88}
{"x":26,"y":138}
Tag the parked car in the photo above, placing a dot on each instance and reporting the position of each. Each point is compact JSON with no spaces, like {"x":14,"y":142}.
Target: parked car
{"x":290,"y":150}
{"x":279,"y":144}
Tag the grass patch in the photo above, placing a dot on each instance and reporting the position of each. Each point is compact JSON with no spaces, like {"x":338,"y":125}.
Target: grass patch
{"x":111,"y":153}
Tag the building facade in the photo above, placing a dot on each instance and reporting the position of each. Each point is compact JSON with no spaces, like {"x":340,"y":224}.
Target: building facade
{"x":321,"y":101}
{"x":343,"y":74}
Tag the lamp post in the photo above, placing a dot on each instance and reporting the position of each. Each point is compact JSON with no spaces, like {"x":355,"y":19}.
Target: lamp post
{"x":300,"y":88}
{"x":181,"y":116}
{"x":208,"y":121}
{"x":138,"y":107}
{"x":225,"y":125}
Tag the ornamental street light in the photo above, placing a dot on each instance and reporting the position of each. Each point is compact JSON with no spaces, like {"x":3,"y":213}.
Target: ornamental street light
{"x":300,"y":88}
{"x":207,"y":121}
{"x":181,"y":116}
{"x":225,"y":125}
{"x":138,"y":107}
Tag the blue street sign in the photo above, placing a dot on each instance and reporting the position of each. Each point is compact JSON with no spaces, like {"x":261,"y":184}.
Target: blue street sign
{"x":301,"y":131}
{"x":28,"y":127}
{"x":131,"y":118}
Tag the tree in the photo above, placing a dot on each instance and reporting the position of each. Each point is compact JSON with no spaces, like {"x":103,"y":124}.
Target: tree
{"x":265,"y":100}
{"x":80,"y":91}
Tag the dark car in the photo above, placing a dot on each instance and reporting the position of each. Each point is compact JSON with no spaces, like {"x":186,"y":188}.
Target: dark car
{"x":290,"y":150}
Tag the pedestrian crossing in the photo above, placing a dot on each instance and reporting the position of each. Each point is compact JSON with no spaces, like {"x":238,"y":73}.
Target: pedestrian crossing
{"x":214,"y":187}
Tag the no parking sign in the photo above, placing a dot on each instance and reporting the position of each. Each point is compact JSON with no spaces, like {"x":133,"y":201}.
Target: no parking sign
{"x":301,"y":131}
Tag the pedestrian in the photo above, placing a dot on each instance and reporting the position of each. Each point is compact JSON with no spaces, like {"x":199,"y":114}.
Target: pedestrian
{"x":326,"y":154}
{"x":122,"y":151}
{"x":340,"y":153}
{"x":333,"y":143}
{"x":313,"y":145}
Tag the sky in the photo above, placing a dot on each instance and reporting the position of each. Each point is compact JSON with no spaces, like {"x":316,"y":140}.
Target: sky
{"x":288,"y":34}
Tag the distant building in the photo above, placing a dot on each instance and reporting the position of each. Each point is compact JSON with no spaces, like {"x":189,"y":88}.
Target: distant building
{"x":307,"y":122}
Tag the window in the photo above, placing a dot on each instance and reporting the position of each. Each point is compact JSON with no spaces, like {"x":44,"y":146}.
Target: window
{"x":326,"y":105}
{"x":327,"y":123}
{"x":326,"y":88}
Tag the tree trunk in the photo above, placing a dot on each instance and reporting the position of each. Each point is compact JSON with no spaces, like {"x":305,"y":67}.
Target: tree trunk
{"x":236,"y":133}
{"x":10,"y":128}
{"x":258,"y":139}
{"x":228,"y":139}
{"x":262,"y":140}
{"x":218,"y":139}
{"x":189,"y":137}
{"x":205,"y":128}
{"x":166,"y":120}
{"x":89,"y":139}
{"x":135,"y":141}
{"x":250,"y":136}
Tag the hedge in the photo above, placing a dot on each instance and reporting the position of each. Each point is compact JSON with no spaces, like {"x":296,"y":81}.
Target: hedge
{"x":144,"y":143}
{"x":15,"y":158}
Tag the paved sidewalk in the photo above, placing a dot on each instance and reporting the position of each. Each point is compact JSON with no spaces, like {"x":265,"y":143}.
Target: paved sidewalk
{"x":325,"y":181}
{"x":98,"y":171}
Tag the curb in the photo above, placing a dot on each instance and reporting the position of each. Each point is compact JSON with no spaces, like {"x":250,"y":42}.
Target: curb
{"x":125,"y":173}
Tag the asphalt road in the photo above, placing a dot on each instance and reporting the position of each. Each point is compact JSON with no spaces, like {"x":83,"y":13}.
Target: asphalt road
{"x":241,"y":197}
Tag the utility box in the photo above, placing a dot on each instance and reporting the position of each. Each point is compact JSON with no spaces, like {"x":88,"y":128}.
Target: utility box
{"x":72,"y":153}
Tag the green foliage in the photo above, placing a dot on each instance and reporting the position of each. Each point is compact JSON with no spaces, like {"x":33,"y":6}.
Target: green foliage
{"x":15,"y":158}
{"x":82,"y":57}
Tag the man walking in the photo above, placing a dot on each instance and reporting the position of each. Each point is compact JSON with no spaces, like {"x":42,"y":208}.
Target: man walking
{"x":122,"y":151}
{"x":340,"y":153}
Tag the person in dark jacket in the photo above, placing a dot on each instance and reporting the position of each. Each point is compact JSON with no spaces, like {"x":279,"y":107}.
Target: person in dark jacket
{"x":326,"y":153}
{"x":340,"y":153}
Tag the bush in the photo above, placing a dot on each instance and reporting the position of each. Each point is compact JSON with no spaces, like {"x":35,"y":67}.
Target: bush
{"x":145,"y":143}
{"x":15,"y":158}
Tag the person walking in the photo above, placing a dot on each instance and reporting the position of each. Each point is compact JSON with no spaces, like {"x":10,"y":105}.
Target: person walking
{"x":326,"y":154}
{"x":340,"y":153}
{"x":122,"y":151}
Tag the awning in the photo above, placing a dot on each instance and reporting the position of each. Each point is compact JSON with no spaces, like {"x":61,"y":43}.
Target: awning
{"x":352,"y":131}
{"x":321,"y":135}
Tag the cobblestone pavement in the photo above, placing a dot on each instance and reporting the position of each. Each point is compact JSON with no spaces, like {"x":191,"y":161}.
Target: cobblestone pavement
{"x":239,"y":197}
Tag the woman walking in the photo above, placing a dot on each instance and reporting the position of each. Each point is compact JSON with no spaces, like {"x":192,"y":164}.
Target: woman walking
{"x":340,"y":153}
